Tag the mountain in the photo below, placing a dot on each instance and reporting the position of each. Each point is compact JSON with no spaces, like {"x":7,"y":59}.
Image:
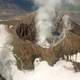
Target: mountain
{"x":10,"y":8}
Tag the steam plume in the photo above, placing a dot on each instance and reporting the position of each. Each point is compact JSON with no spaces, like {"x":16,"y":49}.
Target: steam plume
{"x":45,"y":18}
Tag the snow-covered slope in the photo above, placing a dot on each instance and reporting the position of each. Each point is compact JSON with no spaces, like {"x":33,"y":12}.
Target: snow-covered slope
{"x":62,"y":70}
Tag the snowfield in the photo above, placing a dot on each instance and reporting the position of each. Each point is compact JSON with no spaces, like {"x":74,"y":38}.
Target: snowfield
{"x":61,"y":71}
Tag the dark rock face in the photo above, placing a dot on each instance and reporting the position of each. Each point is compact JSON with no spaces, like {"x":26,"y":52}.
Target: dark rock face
{"x":26,"y":32}
{"x":26,"y":29}
{"x":75,"y":28}
{"x":76,"y":66}
{"x":2,"y":78}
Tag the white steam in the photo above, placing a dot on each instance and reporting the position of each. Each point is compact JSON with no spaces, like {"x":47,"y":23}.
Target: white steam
{"x":47,"y":3}
{"x":45,"y":19}
{"x":44,"y":27}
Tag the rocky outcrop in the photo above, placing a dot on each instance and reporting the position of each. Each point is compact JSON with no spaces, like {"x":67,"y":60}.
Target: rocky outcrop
{"x":1,"y":78}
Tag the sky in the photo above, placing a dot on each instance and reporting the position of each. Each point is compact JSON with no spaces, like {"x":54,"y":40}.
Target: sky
{"x":25,"y":4}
